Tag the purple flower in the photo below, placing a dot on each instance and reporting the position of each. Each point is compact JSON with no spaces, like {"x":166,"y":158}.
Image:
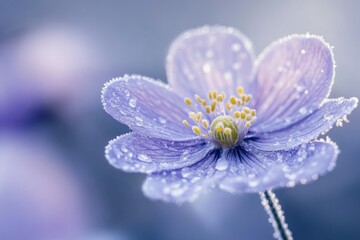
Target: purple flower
{"x":226,"y":120}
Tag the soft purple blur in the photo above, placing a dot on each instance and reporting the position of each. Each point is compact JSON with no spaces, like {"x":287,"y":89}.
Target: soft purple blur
{"x":55,"y":57}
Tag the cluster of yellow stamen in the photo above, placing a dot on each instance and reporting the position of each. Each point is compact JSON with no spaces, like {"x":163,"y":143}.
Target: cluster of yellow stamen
{"x":224,"y":122}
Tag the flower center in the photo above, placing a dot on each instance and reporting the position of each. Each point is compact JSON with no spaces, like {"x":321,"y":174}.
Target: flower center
{"x":224,"y":123}
{"x":225,"y":130}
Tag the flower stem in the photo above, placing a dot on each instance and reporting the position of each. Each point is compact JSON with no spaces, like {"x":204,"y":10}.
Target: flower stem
{"x":276,"y":215}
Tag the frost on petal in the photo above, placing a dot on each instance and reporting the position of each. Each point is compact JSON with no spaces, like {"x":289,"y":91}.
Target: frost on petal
{"x":172,"y":187}
{"x":146,"y":106}
{"x":136,"y":153}
{"x":270,"y":170}
{"x":293,"y":77}
{"x":309,"y":128}
{"x":185,"y":184}
{"x":210,"y":58}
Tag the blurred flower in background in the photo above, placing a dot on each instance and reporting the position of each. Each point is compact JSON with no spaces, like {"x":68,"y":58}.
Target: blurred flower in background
{"x":40,"y":198}
{"x":47,"y":68}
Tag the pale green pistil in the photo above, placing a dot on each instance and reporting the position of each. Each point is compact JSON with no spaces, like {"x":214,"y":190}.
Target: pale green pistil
{"x":224,"y":130}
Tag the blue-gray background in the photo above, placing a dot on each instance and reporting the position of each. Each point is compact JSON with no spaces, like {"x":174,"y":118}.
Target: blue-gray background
{"x":54,"y":181}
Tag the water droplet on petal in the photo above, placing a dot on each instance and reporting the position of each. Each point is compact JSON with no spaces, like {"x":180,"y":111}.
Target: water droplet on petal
{"x":162,"y":120}
{"x":139,"y":121}
{"x":235,"y":47}
{"x":184,"y":156}
{"x":132,"y":102}
{"x":222,"y":164}
{"x":253,"y":183}
{"x":328,"y":117}
{"x":144,"y":158}
{"x":206,"y":68}
{"x":302,"y":110}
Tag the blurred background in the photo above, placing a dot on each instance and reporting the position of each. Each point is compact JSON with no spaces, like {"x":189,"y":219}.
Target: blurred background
{"x":55,"y":183}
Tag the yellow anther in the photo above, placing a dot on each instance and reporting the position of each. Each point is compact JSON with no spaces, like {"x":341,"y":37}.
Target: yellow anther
{"x":198,"y":98}
{"x":243,"y":98}
{"x":240,"y":90}
{"x":228,"y":106}
{"x":246,"y":110}
{"x":253,"y":112}
{"x":213,"y":106}
{"x":233,"y":100}
{"x":219,"y":98}
{"x":214,"y":94}
{"x":188,"y":101}
{"x":248,"y":98}
{"x":205,"y":123}
{"x":208,"y":109}
{"x":204,"y":103}
{"x":247,"y":124}
{"x":237,"y":114}
{"x":239,"y":102}
{"x":243,"y":115}
{"x":196,"y":130}
{"x":210,"y":95}
{"x":219,"y":127}
{"x":192,"y":115}
{"x":227,"y":131}
{"x":186,"y":123}
{"x":248,"y":118}
{"x":198,"y":116}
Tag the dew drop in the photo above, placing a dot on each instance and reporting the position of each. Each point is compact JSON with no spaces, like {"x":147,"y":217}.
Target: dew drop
{"x":290,"y":184}
{"x":132,"y":102}
{"x":253,"y":183}
{"x":222,"y":164}
{"x":303,"y":51}
{"x":139,"y":121}
{"x":144,"y":158}
{"x":184,"y":156}
{"x":328,"y":117}
{"x":127,"y":93}
{"x":235,"y":47}
{"x":300,"y":88}
{"x":339,"y":123}
{"x":186,"y":172}
{"x":178,"y":192}
{"x":302,"y":110}
{"x":315,"y":177}
{"x":206,"y":68}
{"x":303,"y":181}
{"x":162,"y":120}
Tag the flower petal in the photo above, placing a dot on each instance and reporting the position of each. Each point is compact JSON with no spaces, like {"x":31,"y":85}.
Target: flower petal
{"x":146,"y":106}
{"x":282,"y":168}
{"x":320,"y":121}
{"x":251,"y":171}
{"x":137,"y":153}
{"x":210,"y":58}
{"x":184,"y":184}
{"x":172,"y":187}
{"x":293,"y":73}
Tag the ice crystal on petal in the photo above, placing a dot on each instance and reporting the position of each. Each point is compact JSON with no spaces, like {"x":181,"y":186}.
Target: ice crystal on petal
{"x":203,"y":131}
